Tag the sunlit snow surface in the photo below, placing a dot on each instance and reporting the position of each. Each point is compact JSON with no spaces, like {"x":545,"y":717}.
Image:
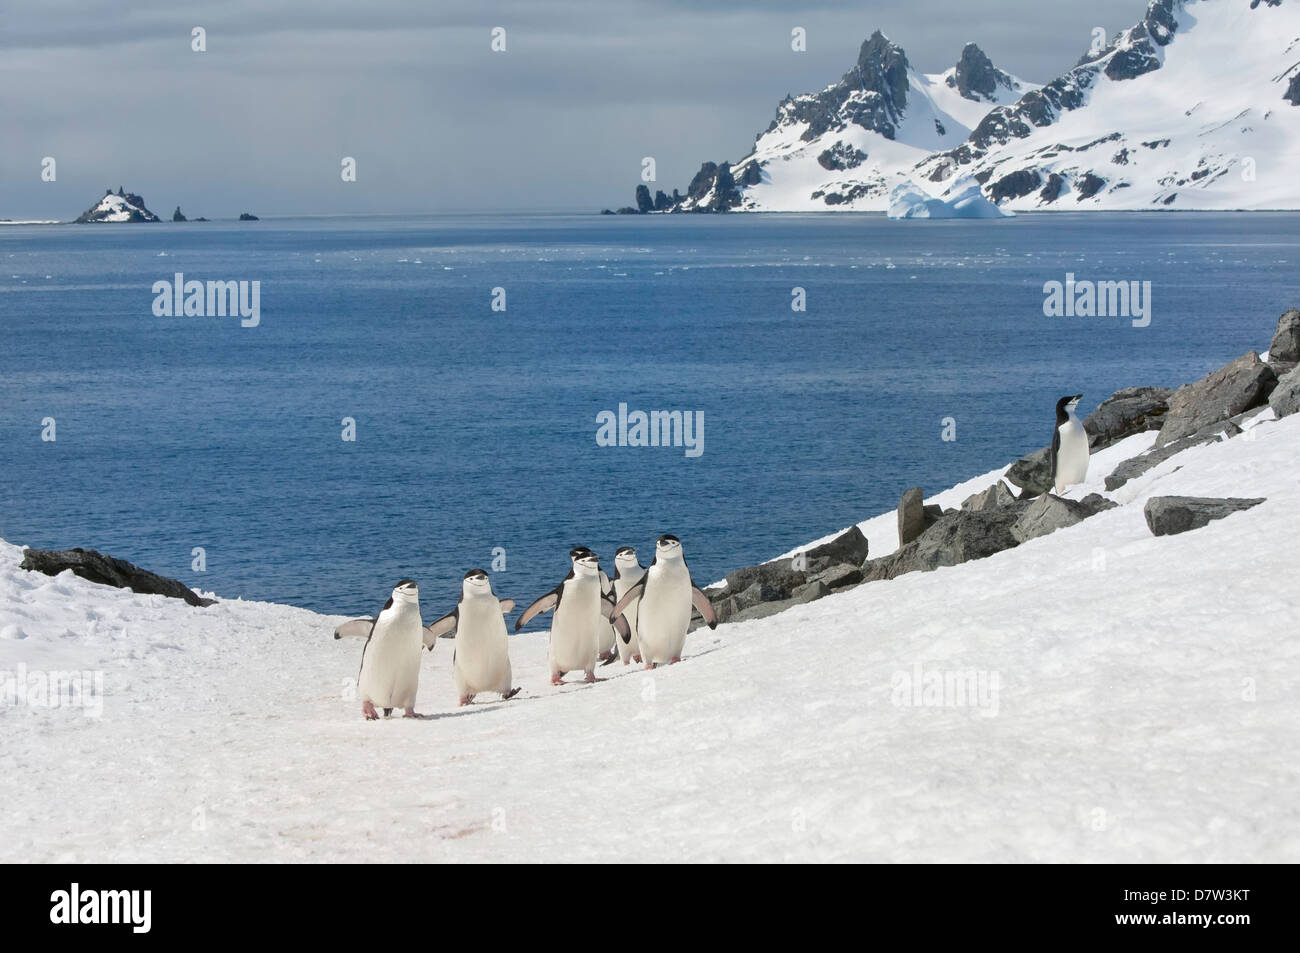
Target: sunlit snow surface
{"x":1147,"y":711}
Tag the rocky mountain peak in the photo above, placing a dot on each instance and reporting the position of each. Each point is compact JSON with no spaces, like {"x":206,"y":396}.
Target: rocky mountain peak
{"x":881,"y":68}
{"x":975,"y":76}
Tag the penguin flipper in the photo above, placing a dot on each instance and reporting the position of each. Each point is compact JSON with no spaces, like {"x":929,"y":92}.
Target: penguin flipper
{"x":633,"y":593}
{"x":619,"y":622}
{"x":606,"y":587}
{"x":704,"y":606}
{"x":357,"y":628}
{"x":507,"y":606}
{"x":440,"y":629}
{"x":545,"y":604}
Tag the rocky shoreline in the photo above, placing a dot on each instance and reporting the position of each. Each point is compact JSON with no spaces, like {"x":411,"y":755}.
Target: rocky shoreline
{"x":1006,"y":514}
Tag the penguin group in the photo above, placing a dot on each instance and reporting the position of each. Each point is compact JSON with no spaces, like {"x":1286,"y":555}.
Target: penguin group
{"x":640,"y":615}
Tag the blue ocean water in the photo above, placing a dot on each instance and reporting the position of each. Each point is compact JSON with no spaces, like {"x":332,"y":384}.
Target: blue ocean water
{"x":476,"y":429}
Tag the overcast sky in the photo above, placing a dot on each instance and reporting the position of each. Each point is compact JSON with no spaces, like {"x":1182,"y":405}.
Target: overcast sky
{"x":434,"y":118}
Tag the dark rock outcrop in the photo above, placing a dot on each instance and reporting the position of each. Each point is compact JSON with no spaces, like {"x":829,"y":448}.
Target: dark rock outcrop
{"x":1170,"y":515}
{"x":1014,"y":185}
{"x":998,"y":495}
{"x":850,"y":547}
{"x":248,"y":217}
{"x":644,"y":202}
{"x":1126,"y":412}
{"x":914,"y":517}
{"x":976,"y":78}
{"x":177,"y":216}
{"x":1292,"y":94}
{"x":1049,"y":513}
{"x":1236,"y":387}
{"x":1286,"y":339}
{"x":957,"y":537}
{"x":1032,"y":472}
{"x":1285,"y":399}
{"x":109,"y":571}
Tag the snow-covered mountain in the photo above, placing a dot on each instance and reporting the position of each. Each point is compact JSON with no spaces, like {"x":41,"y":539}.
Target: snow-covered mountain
{"x":850,"y":144}
{"x":1197,"y":106}
{"x":119,"y":206}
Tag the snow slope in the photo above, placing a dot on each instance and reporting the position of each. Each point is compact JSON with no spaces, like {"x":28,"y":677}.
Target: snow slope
{"x":1147,"y":708}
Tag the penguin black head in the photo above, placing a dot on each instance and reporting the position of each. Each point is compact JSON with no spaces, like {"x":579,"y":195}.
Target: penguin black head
{"x":668,"y":546}
{"x":408,"y":585}
{"x":624,"y":551}
{"x":476,"y":573}
{"x":585,"y":558}
{"x":577,"y":551}
{"x":1065,"y":406}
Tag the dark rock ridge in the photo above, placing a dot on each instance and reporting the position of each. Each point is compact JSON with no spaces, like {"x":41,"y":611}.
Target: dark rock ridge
{"x":177,"y":216}
{"x":1232,"y":389}
{"x":248,"y":217}
{"x":109,"y":571}
{"x":136,"y":210}
{"x":994,"y":519}
{"x":1170,"y":515}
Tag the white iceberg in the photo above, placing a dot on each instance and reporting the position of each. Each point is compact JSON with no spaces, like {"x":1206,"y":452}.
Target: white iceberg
{"x":964,"y":200}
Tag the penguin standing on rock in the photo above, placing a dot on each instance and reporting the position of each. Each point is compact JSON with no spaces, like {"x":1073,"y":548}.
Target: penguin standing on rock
{"x":1069,"y":446}
{"x":666,"y":595}
{"x":390,"y":660}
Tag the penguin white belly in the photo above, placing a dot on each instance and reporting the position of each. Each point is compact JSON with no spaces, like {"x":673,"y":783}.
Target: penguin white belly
{"x":620,"y":588}
{"x":390,"y":671}
{"x":482,"y":656}
{"x":575,"y":628}
{"x":1072,"y":455}
{"x":664,"y":613}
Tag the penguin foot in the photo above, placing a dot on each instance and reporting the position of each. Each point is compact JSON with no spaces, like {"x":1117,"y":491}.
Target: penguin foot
{"x":591,"y":677}
{"x":387,"y":712}
{"x":409,"y":713}
{"x":506,"y":696}
{"x":466,"y":700}
{"x":557,"y":678}
{"x":368,"y":709}
{"x":637,"y":659}
{"x":675,"y":660}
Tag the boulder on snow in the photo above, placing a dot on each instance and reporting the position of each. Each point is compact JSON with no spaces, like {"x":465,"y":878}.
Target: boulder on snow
{"x":1032,"y":473}
{"x":1285,"y":399}
{"x":1286,"y":339}
{"x":850,"y":546}
{"x":109,"y":571}
{"x":914,"y":516}
{"x":1134,"y":467}
{"x":958,"y":537}
{"x":777,"y":579}
{"x":1170,"y":515}
{"x":999,"y":494}
{"x":1222,"y":394}
{"x":1126,"y":412}
{"x":1049,"y":513}
{"x":839,"y":577}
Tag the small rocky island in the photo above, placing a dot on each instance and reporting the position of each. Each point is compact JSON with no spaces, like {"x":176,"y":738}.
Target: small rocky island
{"x":248,"y":217}
{"x":119,"y":206}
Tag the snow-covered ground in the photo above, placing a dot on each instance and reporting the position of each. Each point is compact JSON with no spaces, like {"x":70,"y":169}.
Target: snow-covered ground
{"x":1139,"y":701}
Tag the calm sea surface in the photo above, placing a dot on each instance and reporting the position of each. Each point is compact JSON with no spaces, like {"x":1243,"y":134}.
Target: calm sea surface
{"x":476,"y":429}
